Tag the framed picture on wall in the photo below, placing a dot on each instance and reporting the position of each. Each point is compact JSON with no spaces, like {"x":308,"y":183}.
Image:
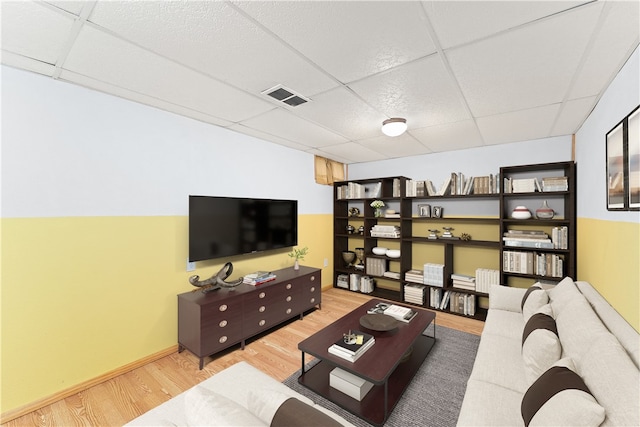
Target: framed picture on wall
{"x":623,"y":164}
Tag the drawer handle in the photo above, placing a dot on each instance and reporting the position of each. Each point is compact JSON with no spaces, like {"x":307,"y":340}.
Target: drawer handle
{"x":289,"y":298}
{"x":313,"y":289}
{"x":313,"y":278}
{"x":262,"y":322}
{"x":288,"y":311}
{"x":223,"y":323}
{"x":262,"y":309}
{"x":312,"y":300}
{"x":223,"y":339}
{"x":223,"y":307}
{"x":262,"y":295}
{"x":288,"y":285}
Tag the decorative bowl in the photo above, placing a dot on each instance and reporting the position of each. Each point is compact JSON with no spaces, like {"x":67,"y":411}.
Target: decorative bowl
{"x":521,"y":212}
{"x":378,"y":322}
{"x":393,"y":253}
{"x":379,"y":250}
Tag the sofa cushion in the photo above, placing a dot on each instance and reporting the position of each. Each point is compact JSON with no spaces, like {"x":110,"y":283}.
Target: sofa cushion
{"x":578,"y":327}
{"x":504,"y":323}
{"x":540,"y":344}
{"x":561,"y":398}
{"x":505,"y":298}
{"x":206,"y":407}
{"x":613,"y":379}
{"x":499,"y":361}
{"x":563,"y":293}
{"x":534,"y":298}
{"x":296,"y":413}
{"x":487,"y":404}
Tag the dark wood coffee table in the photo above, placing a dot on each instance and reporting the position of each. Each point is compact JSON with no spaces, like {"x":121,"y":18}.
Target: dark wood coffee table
{"x":390,"y":364}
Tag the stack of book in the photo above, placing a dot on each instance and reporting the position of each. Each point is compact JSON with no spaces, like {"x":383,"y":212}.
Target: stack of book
{"x":352,"y":351}
{"x":376,"y":266}
{"x":527,"y":239}
{"x":414,"y":293}
{"x":403,"y":314}
{"x":258,"y":278}
{"x":388,"y":231}
{"x":462,"y":303}
{"x":415,"y":276}
{"x":560,"y":237}
{"x":462,"y":281}
{"x":523,"y":185}
{"x":439,"y":299}
{"x":350,"y":191}
{"x":433,"y":274}
{"x":485,"y":278}
{"x":558,"y":183}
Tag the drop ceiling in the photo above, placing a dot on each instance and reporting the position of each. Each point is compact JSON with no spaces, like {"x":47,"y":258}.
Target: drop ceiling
{"x":463,"y":74}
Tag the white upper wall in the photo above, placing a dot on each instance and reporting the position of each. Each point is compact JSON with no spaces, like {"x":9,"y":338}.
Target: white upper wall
{"x":472,"y":162}
{"x":621,"y":97}
{"x":70,"y":151}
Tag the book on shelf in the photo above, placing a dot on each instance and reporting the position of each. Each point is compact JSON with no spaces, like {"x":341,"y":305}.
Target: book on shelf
{"x":403,"y":314}
{"x":485,"y":278}
{"x":536,"y":244}
{"x":463,"y":277}
{"x":460,"y":284}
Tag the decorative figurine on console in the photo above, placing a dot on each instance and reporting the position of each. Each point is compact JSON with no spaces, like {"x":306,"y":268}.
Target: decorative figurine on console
{"x":447,"y":233}
{"x":434,"y":234}
{"x":216,"y":281}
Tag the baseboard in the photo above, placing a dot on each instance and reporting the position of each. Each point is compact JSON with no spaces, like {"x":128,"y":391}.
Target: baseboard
{"x":7,"y":416}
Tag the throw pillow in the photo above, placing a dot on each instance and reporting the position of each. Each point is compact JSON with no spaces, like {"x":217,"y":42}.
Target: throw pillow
{"x":563,"y":293}
{"x":296,"y":413}
{"x":541,"y":346}
{"x":204,"y":407}
{"x":533,"y":299}
{"x":560,"y":398}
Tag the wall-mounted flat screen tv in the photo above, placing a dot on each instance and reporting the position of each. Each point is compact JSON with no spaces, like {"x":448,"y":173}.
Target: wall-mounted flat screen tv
{"x":227,"y":226}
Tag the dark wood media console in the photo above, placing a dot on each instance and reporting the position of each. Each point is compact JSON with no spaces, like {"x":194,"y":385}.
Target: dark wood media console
{"x":209,"y":323}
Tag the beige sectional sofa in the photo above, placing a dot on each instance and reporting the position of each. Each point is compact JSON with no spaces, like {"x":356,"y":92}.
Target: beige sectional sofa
{"x":556,"y":356}
{"x":240,"y":395}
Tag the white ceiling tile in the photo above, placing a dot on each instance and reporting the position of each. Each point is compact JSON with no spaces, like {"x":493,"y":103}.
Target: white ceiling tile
{"x":349,"y":39}
{"x":572,"y":115}
{"x":286,"y":125}
{"x":34,"y":30}
{"x":394,"y":147}
{"x":25,"y":63}
{"x":267,"y":137}
{"x":450,"y":136}
{"x":353,"y":152}
{"x":319,"y":152}
{"x":459,"y":22}
{"x":125,"y":65}
{"x":618,"y":36}
{"x":74,"y":6}
{"x":344,"y":112}
{"x":518,"y":125}
{"x":89,"y":82}
{"x":214,"y":38}
{"x":422,"y":92}
{"x":525,"y":68}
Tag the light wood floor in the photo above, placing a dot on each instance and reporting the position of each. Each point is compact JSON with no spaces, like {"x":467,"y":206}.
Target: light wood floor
{"x":119,"y":400}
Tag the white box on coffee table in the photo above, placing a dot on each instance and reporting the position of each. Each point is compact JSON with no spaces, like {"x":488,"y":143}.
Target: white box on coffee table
{"x":350,"y":384}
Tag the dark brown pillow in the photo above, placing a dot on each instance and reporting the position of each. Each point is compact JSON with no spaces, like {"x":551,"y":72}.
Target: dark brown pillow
{"x":531,"y":289}
{"x":294,"y":413}
{"x":547,"y":402}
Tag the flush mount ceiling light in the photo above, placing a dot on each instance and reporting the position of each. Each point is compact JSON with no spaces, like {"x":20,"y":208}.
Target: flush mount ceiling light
{"x":394,"y":126}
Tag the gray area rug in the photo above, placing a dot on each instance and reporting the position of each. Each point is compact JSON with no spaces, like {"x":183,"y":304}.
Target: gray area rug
{"x":434,"y":397}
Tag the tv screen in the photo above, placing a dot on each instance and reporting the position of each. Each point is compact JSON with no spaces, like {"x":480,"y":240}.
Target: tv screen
{"x":226,"y":226}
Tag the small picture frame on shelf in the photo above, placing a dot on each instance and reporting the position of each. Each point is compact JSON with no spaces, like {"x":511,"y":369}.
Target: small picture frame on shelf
{"x":424,"y":210}
{"x":436,"y":212}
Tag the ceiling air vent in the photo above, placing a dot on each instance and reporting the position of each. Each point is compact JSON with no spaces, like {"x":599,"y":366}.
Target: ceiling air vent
{"x":286,"y":95}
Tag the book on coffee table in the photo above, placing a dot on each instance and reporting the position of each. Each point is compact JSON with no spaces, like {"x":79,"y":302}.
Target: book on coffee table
{"x":352,"y":351}
{"x":403,"y":314}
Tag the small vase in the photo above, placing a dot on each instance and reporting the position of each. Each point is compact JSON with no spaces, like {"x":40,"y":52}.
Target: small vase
{"x":377,"y":213}
{"x":296,"y":265}
{"x":544,"y":211}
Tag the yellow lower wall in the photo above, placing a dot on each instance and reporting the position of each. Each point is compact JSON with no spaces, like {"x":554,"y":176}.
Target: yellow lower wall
{"x":82,"y":296}
{"x":609,"y":259}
